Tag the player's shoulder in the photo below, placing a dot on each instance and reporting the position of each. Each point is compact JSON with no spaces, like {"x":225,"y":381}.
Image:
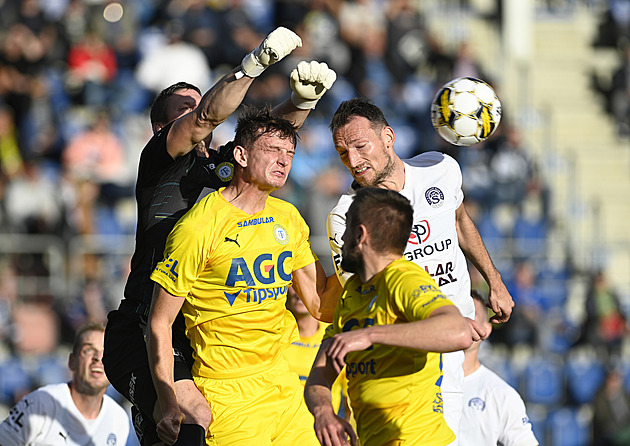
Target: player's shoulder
{"x":111,"y":407}
{"x":432,"y":159}
{"x":282,"y":207}
{"x":344,"y":202}
{"x":496,"y":384}
{"x":407,"y":272}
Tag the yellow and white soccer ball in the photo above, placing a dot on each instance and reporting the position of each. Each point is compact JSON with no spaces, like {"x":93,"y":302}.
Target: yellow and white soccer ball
{"x":466,"y":111}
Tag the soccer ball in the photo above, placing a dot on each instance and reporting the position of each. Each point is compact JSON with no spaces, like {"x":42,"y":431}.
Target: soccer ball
{"x":465,"y":111}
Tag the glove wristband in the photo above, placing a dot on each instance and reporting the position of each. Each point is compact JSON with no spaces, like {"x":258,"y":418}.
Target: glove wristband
{"x":250,"y":65}
{"x":301,"y":103}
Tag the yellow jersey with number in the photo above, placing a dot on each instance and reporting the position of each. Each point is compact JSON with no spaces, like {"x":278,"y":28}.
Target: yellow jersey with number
{"x":394,"y":392}
{"x":234,"y":269}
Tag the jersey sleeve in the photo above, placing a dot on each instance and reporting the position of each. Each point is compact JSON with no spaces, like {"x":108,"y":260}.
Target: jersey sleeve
{"x":27,"y":420}
{"x":516,"y":429}
{"x":303,"y":254}
{"x":184,"y":258}
{"x":415,"y":295}
{"x":335,"y":227}
{"x":455,"y":172}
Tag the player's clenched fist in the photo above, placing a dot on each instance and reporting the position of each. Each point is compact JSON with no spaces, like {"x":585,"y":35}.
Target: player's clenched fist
{"x":277,"y":45}
{"x":309,"y":82}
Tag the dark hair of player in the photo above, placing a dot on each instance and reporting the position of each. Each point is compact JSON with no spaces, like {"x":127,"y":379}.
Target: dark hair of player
{"x":254,"y":122}
{"x":358,"y":107}
{"x":387,"y":216}
{"x":158,"y":108}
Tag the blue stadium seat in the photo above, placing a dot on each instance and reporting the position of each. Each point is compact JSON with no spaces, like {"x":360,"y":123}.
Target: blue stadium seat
{"x":584,"y":378}
{"x":569,"y":427}
{"x":543,"y":381}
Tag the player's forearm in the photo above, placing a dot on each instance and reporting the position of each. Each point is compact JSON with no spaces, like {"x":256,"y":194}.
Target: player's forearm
{"x":223,"y":99}
{"x":329,"y":291}
{"x":443,"y":333}
{"x":289,"y":111}
{"x":161,"y":362}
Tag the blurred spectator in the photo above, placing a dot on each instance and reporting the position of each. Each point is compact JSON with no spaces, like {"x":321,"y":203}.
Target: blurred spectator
{"x":96,"y":153}
{"x":171,"y":60}
{"x":91,"y":69}
{"x":605,"y":325}
{"x":32,"y":202}
{"x":510,"y":168}
{"x":620,"y":93}
{"x":611,"y":413}
{"x":35,"y":327}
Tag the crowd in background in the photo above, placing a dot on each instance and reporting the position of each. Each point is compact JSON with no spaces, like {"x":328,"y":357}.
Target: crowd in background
{"x":77,"y":78}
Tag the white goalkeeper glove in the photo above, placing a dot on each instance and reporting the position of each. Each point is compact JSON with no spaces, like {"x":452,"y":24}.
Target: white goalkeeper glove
{"x":309,"y":82}
{"x":277,"y":45}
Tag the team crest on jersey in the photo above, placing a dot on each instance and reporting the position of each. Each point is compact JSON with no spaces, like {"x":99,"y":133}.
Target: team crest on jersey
{"x":111,"y":439}
{"x":225,"y":171}
{"x":434,"y":196}
{"x":280,"y":234}
{"x":477,"y":404}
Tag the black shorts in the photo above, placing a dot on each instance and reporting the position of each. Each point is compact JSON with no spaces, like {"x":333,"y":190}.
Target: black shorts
{"x":127,"y":366}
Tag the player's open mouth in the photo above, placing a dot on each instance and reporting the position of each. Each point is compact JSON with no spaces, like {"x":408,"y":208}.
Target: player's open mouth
{"x":360,"y":170}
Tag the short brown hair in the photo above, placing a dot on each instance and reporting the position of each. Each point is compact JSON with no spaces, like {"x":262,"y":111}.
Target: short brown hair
{"x":387,"y":215}
{"x":254,"y":122}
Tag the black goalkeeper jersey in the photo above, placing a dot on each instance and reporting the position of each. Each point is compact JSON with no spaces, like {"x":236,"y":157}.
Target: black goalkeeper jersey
{"x":165,"y":189}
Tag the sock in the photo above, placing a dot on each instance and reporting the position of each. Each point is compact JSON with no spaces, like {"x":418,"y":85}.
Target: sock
{"x":191,"y":435}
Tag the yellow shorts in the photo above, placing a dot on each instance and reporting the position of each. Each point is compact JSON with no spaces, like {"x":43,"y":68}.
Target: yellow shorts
{"x":259,"y":410}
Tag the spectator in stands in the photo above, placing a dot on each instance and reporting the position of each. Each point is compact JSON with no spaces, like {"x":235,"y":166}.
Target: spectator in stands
{"x":605,"y":324}
{"x":611,"y":412}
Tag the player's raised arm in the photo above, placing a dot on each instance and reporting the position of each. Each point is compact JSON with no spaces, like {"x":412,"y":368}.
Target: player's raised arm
{"x":223,"y":99}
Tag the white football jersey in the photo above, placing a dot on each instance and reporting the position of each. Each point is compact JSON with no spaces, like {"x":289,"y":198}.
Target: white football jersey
{"x":433,"y":185}
{"x":493,"y":412}
{"x":48,"y":416}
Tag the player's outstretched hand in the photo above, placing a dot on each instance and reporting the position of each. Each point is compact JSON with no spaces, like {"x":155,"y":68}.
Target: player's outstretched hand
{"x":332,"y":430}
{"x":276,"y":46}
{"x":309,"y":82}
{"x":501,"y":302}
{"x":168,"y":427}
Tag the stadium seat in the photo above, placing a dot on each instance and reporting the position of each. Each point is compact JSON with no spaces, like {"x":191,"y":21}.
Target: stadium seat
{"x":543,"y":381}
{"x":569,"y":426}
{"x":585,"y":375}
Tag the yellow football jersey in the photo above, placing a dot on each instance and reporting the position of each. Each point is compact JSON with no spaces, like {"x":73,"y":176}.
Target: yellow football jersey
{"x":234,"y":269}
{"x":394,"y":392}
{"x":301,"y":355}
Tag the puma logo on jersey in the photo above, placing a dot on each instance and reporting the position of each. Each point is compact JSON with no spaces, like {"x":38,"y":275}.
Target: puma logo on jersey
{"x":233,"y":240}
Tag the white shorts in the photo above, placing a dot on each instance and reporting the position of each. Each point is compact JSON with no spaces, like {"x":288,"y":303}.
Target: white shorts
{"x":453,"y":390}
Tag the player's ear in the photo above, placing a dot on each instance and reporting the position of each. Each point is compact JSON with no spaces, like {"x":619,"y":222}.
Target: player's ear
{"x":156,"y":126}
{"x":240,"y":155}
{"x":71,"y":361}
{"x":388,"y":136}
